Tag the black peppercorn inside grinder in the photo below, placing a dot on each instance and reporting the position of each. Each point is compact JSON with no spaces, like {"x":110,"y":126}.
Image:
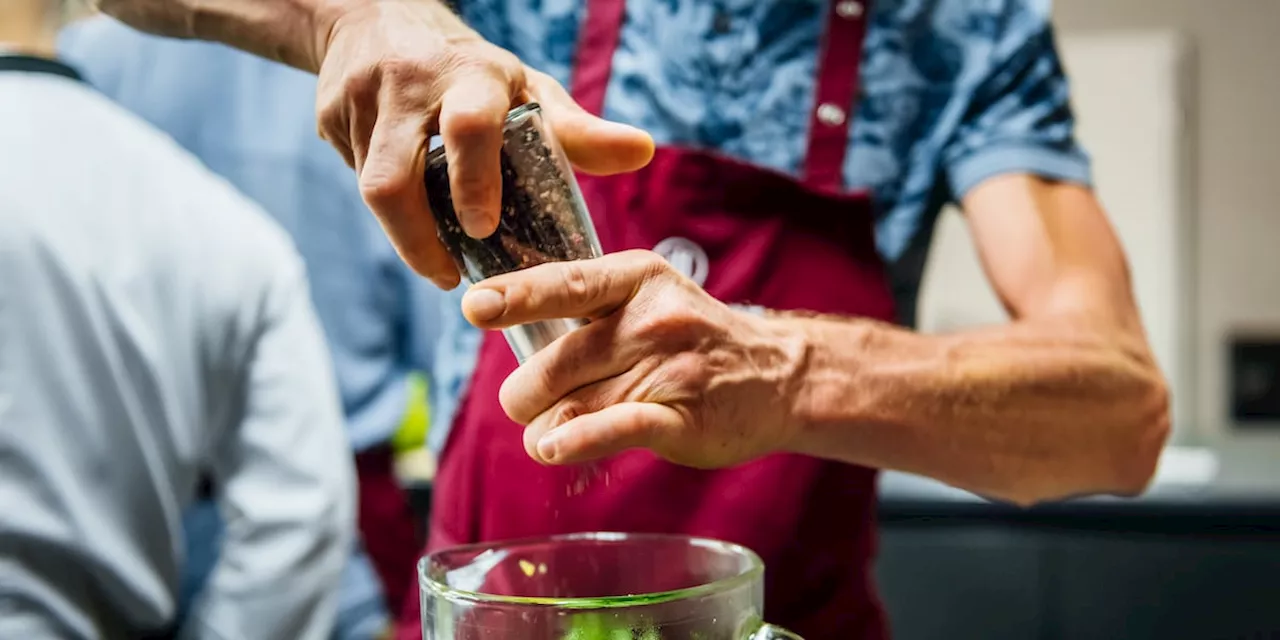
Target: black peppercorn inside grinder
{"x":544,"y":218}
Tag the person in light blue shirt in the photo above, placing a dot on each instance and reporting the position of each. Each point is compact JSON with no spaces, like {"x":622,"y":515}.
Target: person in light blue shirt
{"x":391,"y":332}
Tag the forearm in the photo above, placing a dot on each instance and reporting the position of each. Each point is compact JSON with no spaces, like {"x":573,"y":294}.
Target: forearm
{"x":1030,"y":411}
{"x":295,"y":32}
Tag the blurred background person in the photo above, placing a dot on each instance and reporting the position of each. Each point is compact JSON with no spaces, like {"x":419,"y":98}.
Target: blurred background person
{"x":155,"y":328}
{"x":252,"y":121}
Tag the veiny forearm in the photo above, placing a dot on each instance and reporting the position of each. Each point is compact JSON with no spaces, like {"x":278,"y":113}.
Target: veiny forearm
{"x":1025,"y":412}
{"x":295,"y":32}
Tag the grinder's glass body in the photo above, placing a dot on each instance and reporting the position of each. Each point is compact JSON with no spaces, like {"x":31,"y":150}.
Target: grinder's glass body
{"x":544,"y":218}
{"x":599,"y":586}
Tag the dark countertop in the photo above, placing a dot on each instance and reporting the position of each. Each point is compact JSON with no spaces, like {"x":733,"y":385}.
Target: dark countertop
{"x":1193,"y":493}
{"x":1189,"y":495}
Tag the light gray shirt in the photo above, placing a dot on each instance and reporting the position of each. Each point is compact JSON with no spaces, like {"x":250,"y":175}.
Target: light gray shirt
{"x":154,"y":325}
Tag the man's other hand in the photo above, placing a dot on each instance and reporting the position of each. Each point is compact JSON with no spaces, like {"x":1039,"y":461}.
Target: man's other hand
{"x":662,"y":365}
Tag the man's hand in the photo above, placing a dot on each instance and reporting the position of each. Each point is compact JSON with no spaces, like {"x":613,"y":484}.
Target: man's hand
{"x":392,"y":74}
{"x":395,"y":73}
{"x":662,"y":365}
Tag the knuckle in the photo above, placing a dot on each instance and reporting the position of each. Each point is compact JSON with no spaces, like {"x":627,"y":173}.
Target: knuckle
{"x":526,"y":394}
{"x":577,"y":285}
{"x":472,"y":122}
{"x":417,"y":80}
{"x":483,"y":57}
{"x":567,"y":410}
{"x":381,"y":189}
{"x":332,"y":128}
{"x":401,"y":71}
{"x":652,"y":264}
{"x":329,"y":113}
{"x":669,"y":323}
{"x":357,"y":87}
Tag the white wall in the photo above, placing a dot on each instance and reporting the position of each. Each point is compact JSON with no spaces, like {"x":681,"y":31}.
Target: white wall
{"x":1236,"y":160}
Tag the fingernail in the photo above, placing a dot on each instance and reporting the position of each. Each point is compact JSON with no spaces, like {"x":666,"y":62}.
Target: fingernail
{"x":476,"y":224}
{"x":484,"y":304}
{"x":549,"y":446}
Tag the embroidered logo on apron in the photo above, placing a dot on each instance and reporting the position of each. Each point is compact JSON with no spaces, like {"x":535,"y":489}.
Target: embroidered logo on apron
{"x":686,"y":256}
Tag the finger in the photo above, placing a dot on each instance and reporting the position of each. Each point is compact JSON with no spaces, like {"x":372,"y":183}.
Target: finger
{"x":362,"y":119}
{"x":332,"y":117}
{"x":391,"y":184}
{"x":594,"y":145}
{"x":472,"y":114}
{"x":590,"y":289}
{"x":333,"y":126}
{"x":578,"y":360}
{"x":610,"y":431}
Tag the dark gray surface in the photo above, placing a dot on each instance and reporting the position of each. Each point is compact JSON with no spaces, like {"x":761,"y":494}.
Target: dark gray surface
{"x":944,"y":586}
{"x":946,"y":578}
{"x":1167,"y":588}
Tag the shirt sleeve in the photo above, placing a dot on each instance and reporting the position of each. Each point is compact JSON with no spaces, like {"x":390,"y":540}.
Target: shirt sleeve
{"x":286,"y":481}
{"x":1019,"y":117}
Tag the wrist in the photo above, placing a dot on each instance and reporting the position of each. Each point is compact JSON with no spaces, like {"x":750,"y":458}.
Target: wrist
{"x":284,"y":31}
{"x":824,"y":398}
{"x":432,"y":19}
{"x":327,"y":15}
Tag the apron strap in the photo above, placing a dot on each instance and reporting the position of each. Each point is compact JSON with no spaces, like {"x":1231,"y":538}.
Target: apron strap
{"x":833,"y":111}
{"x":597,"y":40}
{"x":838,"y":67}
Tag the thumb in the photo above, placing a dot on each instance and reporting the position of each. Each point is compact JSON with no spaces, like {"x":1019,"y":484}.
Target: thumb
{"x":594,"y":145}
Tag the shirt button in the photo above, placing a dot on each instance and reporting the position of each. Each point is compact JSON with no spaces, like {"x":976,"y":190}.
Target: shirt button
{"x":830,"y":115}
{"x":849,"y":9}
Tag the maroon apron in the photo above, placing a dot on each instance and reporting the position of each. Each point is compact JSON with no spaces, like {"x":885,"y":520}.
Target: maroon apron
{"x":750,"y":237}
{"x":391,"y":533}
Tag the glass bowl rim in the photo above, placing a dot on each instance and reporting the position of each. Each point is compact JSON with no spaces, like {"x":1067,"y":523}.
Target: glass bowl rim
{"x":755,"y":569}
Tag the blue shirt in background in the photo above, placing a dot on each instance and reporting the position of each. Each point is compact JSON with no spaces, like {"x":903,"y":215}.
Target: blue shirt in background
{"x":253,"y":122}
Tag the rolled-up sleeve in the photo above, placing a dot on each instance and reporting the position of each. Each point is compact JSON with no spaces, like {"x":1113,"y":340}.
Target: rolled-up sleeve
{"x":287,"y":483}
{"x":1019,"y":117}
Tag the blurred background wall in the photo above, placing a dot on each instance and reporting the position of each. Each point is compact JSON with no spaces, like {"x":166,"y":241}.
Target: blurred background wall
{"x":1179,"y":101}
{"x":1234,"y":103}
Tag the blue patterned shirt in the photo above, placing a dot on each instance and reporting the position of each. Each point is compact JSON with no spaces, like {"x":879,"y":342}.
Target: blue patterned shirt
{"x":952,"y":92}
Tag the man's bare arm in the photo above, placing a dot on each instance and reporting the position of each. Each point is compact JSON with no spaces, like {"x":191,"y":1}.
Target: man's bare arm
{"x":1065,"y":400}
{"x":294,"y":32}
